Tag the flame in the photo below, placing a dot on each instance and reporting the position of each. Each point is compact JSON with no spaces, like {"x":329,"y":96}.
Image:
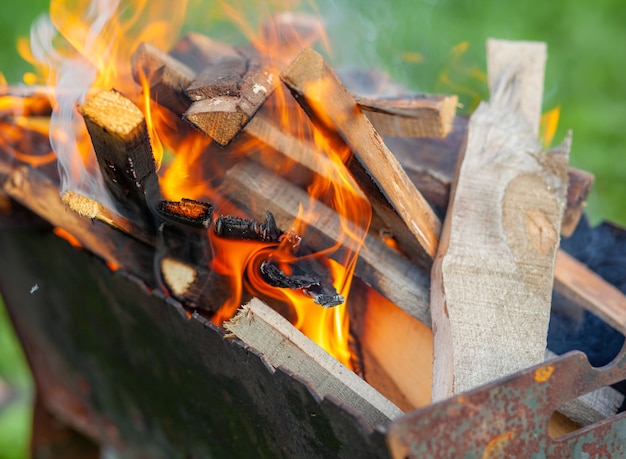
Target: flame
{"x":69,"y":237}
{"x":548,"y":125}
{"x":86,"y":45}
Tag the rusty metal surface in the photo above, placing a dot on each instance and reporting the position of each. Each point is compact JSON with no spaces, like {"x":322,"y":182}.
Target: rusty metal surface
{"x":509,"y":417}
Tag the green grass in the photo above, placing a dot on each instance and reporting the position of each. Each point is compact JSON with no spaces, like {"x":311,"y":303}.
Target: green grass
{"x":414,"y":41}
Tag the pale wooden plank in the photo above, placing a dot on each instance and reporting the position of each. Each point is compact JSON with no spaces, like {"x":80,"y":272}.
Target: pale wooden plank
{"x":492,"y":278}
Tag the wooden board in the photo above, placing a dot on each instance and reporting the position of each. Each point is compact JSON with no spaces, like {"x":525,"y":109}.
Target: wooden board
{"x":492,"y":279}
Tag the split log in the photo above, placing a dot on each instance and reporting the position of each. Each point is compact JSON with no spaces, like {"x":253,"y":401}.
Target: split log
{"x":333,"y":109}
{"x":430,"y":163}
{"x":166,"y":77}
{"x":282,"y":345}
{"x":492,"y":279}
{"x":119,"y":135}
{"x":420,"y":116}
{"x":228,"y":94}
{"x":36,"y":192}
{"x":251,"y":187}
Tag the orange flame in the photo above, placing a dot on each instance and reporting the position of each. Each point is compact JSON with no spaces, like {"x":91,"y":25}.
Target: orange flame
{"x":100,"y":37}
{"x":548,"y":125}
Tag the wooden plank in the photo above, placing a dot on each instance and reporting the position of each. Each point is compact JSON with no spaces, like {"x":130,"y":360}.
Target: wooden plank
{"x":581,"y":285}
{"x":283,"y":345}
{"x":255,"y":190}
{"x":120,"y":138}
{"x":419,"y":116}
{"x":333,"y":109}
{"x":491,"y":282}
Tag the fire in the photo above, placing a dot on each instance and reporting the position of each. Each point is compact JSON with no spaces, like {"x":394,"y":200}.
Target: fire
{"x":86,"y":47}
{"x":548,"y":125}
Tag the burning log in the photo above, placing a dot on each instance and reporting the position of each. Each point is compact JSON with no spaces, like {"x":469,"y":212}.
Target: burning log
{"x":228,"y":94}
{"x":283,"y":345}
{"x":323,"y":293}
{"x":120,"y":139}
{"x":494,"y":268}
{"x":333,"y":109}
{"x":250,"y":186}
{"x":166,"y":77}
{"x":421,"y":116}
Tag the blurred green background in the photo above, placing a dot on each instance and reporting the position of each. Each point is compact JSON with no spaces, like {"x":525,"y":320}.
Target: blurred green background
{"x":431,"y":46}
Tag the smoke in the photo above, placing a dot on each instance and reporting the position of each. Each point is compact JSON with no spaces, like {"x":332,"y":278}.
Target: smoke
{"x":72,"y":75}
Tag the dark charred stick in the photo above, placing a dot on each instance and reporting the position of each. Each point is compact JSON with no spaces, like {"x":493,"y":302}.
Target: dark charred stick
{"x":187,"y":212}
{"x":322,"y":292}
{"x":229,"y":226}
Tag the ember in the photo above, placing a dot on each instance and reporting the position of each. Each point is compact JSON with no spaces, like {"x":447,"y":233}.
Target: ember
{"x":244,"y":191}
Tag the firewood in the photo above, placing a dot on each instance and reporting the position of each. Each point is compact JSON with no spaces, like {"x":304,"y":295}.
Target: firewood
{"x":119,"y":135}
{"x":581,"y":285}
{"x":333,"y":109}
{"x":282,"y":345}
{"x":36,"y":192}
{"x":166,"y":77}
{"x":251,"y":187}
{"x":492,"y":279}
{"x":429,"y":163}
{"x":421,"y":116}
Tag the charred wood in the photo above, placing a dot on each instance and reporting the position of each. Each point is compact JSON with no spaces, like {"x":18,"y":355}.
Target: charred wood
{"x":230,"y":226}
